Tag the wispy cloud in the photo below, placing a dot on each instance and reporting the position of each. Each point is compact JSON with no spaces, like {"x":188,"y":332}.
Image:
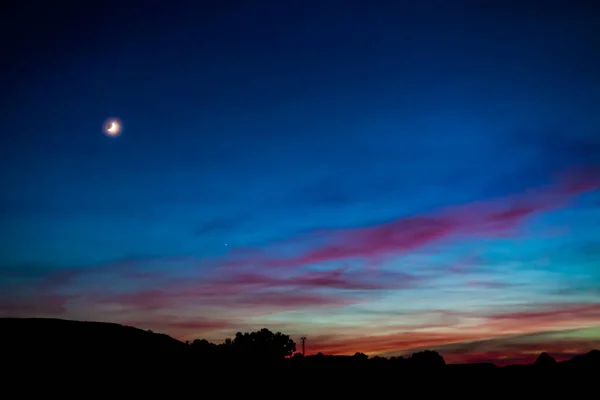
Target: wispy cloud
{"x":371,"y":206}
{"x":490,"y":218}
{"x":519,"y":349}
{"x":218,"y":225}
{"x":473,"y":334}
{"x":42,"y":304}
{"x":261,"y":292}
{"x":181,"y":327}
{"x":327,"y":273}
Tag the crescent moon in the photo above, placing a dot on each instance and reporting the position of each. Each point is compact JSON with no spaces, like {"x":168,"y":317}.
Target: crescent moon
{"x":112,"y":128}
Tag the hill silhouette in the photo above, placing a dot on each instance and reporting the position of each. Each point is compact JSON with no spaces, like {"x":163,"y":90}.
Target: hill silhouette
{"x":66,"y":336}
{"x":89,"y":341}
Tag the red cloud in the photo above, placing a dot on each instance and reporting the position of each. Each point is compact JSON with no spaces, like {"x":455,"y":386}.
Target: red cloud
{"x":548,"y":317}
{"x":511,"y":351}
{"x":343,"y":345}
{"x":468,"y":347}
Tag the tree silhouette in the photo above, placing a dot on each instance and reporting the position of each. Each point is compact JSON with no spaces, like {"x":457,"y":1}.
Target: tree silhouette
{"x":544,"y":360}
{"x":263,"y":344}
{"x":203,"y":346}
{"x":427,"y":359}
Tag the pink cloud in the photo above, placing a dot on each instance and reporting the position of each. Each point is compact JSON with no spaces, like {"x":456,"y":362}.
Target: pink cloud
{"x":179,"y":325}
{"x":254,"y":283}
{"x":140,"y":300}
{"x":489,"y":218}
{"x":268,"y":301}
{"x":548,"y":316}
{"x":339,"y":278}
{"x":126,"y":268}
{"x":267,"y":292}
{"x":41,"y":304}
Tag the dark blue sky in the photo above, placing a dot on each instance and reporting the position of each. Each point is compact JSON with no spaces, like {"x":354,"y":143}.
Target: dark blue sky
{"x":249,"y":126}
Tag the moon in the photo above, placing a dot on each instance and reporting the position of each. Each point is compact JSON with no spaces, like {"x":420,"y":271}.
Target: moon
{"x":112,"y":128}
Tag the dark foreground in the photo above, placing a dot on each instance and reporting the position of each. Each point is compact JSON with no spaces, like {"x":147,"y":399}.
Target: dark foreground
{"x":40,"y":343}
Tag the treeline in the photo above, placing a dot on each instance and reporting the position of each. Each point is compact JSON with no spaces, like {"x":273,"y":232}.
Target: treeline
{"x":264,"y":346}
{"x":42,"y":342}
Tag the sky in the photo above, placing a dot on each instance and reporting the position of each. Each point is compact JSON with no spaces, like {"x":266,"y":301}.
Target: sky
{"x":377,"y":177}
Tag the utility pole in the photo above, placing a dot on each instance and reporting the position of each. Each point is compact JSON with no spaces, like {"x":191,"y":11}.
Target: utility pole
{"x":303,"y":341}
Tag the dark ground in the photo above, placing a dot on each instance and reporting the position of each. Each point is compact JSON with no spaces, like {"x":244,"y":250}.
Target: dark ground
{"x":77,"y":344}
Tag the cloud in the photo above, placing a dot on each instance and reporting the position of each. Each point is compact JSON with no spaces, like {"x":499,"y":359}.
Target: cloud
{"x":463,"y":348}
{"x":40,"y":305}
{"x":218,"y":225}
{"x":262,"y":292}
{"x":557,"y":148}
{"x":489,"y":284}
{"x":378,"y":344}
{"x":521,"y":349}
{"x":133,"y":287}
{"x":180,"y":326}
{"x":547,"y":316}
{"x":125,"y":268}
{"x":327,"y":273}
{"x":338,"y":278}
{"x":277,"y":301}
{"x":24,"y":271}
{"x":46,"y":290}
{"x":461,"y":329}
{"x":324,"y":193}
{"x":489,"y":218}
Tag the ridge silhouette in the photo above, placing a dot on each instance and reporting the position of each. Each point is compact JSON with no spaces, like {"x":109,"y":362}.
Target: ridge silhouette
{"x":89,"y":341}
